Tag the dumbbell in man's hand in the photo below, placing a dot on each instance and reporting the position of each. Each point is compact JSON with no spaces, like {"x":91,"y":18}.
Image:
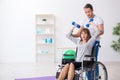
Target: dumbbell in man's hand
{"x":91,"y":20}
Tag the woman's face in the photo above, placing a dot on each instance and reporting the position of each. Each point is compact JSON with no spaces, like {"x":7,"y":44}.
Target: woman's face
{"x":84,"y":35}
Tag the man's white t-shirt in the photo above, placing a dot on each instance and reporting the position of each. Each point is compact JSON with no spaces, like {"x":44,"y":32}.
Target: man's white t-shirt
{"x":96,"y":20}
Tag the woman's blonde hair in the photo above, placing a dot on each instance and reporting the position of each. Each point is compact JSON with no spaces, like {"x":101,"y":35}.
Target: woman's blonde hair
{"x":86,"y":31}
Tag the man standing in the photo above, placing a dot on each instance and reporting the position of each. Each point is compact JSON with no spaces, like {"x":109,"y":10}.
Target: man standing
{"x":97,"y":21}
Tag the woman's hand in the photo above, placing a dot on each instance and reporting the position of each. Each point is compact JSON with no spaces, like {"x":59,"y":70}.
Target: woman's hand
{"x":73,"y":28}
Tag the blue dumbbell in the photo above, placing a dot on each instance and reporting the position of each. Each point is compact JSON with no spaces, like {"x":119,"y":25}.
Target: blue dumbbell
{"x":73,"y":23}
{"x":91,"y":20}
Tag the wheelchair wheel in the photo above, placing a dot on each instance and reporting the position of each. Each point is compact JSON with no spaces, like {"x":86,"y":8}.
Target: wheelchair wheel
{"x":99,"y":72}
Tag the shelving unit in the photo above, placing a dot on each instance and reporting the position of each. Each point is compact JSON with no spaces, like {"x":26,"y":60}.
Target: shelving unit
{"x":45,"y":38}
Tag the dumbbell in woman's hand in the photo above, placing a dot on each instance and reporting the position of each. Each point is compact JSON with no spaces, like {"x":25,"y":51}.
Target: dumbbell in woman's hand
{"x":91,"y":20}
{"x":75,"y":24}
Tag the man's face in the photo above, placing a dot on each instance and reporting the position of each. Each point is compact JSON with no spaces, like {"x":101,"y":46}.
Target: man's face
{"x":88,"y":12}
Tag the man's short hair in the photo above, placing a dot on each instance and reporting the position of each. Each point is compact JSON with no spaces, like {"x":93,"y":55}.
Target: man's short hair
{"x":88,"y":6}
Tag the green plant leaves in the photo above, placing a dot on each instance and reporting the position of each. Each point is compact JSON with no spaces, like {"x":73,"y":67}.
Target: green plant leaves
{"x":116,"y":44}
{"x":116,"y":30}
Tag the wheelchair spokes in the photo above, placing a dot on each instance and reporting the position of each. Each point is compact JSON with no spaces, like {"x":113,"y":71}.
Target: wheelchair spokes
{"x":100,"y":72}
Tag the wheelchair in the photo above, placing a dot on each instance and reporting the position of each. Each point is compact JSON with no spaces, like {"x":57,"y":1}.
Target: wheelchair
{"x":96,"y":68}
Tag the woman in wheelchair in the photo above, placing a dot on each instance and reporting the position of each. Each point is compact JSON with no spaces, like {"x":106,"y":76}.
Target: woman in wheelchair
{"x":84,"y":45}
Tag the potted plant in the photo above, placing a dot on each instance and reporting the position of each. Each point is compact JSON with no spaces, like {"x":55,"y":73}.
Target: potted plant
{"x":116,"y":44}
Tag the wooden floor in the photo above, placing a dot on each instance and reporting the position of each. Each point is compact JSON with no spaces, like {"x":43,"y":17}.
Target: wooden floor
{"x":28,"y":70}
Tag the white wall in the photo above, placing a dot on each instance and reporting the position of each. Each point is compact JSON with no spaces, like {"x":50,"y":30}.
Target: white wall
{"x":17,"y":25}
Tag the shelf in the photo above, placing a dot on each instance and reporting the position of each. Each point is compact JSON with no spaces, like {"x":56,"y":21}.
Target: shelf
{"x":44,"y":25}
{"x":45,"y":37}
{"x":44,"y":15}
{"x":45,"y":44}
{"x":45,"y":53}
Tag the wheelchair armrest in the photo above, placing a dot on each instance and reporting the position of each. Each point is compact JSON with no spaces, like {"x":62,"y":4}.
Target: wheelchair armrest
{"x":90,"y":56}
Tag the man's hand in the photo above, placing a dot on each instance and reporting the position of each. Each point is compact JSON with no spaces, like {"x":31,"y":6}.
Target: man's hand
{"x":99,"y":27}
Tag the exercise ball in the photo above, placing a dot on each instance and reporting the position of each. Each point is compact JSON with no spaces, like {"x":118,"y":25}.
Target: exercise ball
{"x":69,"y":54}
